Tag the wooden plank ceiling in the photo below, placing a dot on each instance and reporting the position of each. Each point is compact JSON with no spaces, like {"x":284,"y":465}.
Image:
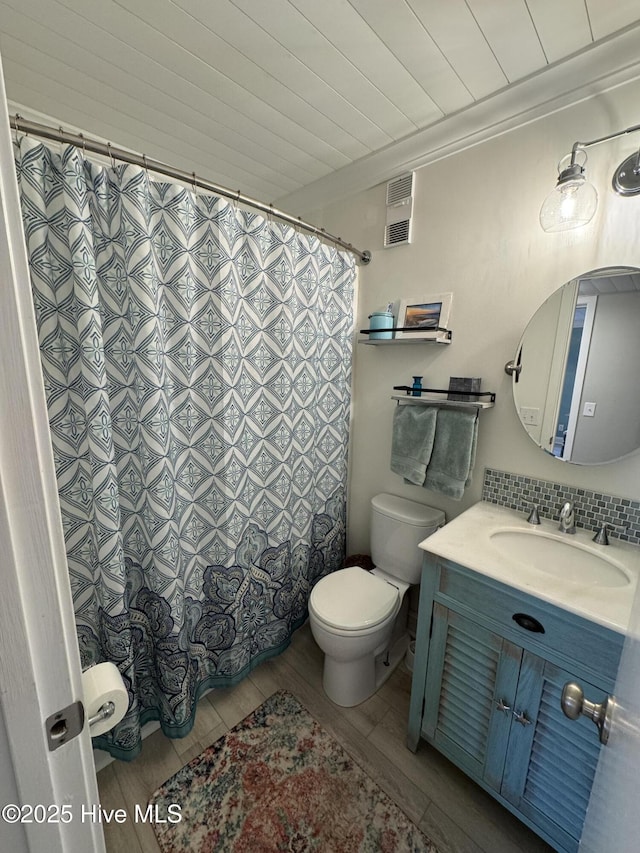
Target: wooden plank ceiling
{"x":273,"y":96}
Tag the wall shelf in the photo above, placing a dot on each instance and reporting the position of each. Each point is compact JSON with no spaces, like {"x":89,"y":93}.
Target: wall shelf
{"x":444,"y":336}
{"x":444,"y":401}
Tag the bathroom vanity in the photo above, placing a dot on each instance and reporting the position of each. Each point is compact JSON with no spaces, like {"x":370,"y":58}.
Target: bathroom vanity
{"x":509,"y":614}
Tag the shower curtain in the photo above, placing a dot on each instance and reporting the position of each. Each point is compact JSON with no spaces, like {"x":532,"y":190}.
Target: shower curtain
{"x":197,"y":366}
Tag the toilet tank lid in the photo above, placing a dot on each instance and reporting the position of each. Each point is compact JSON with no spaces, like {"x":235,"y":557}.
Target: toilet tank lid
{"x":407,"y":511}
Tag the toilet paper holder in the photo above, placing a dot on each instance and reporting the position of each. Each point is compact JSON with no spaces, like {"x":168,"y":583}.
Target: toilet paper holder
{"x":105,"y":697}
{"x":103,"y":713}
{"x":101,"y":683}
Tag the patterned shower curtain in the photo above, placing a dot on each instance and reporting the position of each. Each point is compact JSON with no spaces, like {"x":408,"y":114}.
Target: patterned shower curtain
{"x":197,"y":365}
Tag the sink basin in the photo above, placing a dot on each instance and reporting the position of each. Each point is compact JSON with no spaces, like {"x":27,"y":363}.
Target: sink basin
{"x":559,"y":555}
{"x":569,"y":571}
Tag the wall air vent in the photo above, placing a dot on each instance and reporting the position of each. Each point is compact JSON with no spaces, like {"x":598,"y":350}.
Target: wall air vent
{"x":399,"y":209}
{"x":397,"y":232}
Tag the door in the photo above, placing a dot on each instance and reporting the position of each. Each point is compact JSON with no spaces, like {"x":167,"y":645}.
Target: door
{"x":613,"y":816}
{"x":471,"y":682}
{"x":39,"y":660}
{"x":551,"y":760}
{"x":575,"y":372}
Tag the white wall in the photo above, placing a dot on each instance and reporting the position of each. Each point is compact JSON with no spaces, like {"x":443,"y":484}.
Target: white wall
{"x":477,"y":234}
{"x":615,"y":344}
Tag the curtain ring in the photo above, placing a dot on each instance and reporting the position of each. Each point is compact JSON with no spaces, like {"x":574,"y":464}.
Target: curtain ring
{"x":16,"y":127}
{"x":84,"y":146}
{"x":193,"y":183}
{"x":146,"y":165}
{"x":61,"y":132}
{"x":113,"y":160}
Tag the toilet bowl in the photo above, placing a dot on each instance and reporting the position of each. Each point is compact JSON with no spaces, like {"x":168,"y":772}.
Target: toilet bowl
{"x":358,"y":617}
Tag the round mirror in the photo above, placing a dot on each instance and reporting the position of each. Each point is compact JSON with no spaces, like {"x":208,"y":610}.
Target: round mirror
{"x":575,"y":386}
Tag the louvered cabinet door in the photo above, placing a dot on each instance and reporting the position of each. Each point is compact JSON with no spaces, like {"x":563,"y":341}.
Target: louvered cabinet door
{"x":470,"y":688}
{"x":551,"y":761}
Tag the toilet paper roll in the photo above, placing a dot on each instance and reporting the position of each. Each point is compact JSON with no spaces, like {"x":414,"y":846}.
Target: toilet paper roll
{"x":103,"y":683}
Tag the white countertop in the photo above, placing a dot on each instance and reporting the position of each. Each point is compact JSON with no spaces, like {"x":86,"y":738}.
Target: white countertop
{"x":467,"y":540}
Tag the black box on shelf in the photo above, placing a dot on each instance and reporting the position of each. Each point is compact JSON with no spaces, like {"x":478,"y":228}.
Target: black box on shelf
{"x":470,"y":386}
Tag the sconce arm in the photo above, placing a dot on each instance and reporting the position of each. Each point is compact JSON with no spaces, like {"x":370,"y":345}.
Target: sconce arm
{"x":579,"y":145}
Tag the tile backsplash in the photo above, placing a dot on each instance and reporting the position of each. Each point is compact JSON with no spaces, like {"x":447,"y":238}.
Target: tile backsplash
{"x":591,"y":508}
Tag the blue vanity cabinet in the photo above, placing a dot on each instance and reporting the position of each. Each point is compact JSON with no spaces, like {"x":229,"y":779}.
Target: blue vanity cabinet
{"x":486,"y":693}
{"x":471,"y":670}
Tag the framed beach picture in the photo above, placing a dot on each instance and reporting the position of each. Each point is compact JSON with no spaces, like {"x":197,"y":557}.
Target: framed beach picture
{"x":424,"y":318}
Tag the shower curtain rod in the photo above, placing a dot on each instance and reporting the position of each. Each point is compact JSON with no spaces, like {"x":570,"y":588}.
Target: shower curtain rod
{"x":108,"y":150}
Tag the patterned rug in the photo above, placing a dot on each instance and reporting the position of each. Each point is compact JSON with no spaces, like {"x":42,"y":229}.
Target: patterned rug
{"x":279,"y":782}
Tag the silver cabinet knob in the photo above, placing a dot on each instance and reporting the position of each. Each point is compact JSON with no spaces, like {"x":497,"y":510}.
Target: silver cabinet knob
{"x":574,"y":705}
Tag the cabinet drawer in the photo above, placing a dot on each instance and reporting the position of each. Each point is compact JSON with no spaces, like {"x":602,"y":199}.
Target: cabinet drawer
{"x":584,"y":642}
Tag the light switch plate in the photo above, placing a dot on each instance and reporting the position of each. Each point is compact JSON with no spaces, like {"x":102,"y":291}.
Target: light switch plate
{"x":530,"y":415}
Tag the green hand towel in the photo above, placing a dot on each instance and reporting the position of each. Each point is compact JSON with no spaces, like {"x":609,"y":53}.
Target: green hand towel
{"x":412,"y":441}
{"x":454,"y":452}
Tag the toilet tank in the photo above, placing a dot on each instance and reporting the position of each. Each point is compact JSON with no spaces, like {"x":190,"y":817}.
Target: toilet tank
{"x":398,"y":525}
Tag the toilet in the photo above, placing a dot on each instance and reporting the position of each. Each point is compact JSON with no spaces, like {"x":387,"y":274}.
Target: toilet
{"x":359,"y":618}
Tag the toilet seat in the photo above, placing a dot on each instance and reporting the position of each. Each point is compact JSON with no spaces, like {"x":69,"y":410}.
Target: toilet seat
{"x":352,"y":599}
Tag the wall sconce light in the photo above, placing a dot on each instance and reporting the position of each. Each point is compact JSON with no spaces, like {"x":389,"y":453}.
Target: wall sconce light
{"x":573,"y":201}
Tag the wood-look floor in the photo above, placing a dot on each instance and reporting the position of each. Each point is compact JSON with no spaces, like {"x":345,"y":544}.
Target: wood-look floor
{"x":458,"y":815}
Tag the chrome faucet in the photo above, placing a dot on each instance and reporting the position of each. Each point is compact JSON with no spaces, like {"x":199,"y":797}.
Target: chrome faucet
{"x":602,"y":537}
{"x":567,"y":518}
{"x":534,"y":517}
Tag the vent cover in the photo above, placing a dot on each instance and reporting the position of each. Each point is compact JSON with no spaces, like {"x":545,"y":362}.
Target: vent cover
{"x":399,"y":209}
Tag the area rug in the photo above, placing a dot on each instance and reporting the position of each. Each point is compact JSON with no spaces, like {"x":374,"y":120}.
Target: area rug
{"x":279,"y":782}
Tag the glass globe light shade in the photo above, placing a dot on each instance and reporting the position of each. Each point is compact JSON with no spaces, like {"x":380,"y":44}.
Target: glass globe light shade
{"x":571,"y":203}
